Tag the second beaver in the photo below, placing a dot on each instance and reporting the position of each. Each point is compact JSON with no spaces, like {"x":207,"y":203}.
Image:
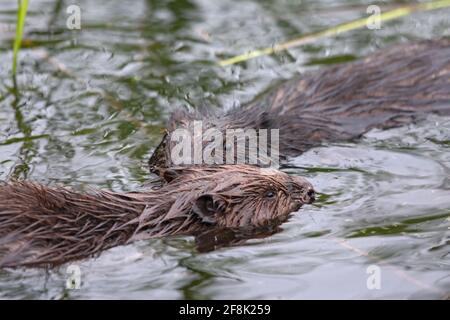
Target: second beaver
{"x":42,"y":226}
{"x":389,"y":88}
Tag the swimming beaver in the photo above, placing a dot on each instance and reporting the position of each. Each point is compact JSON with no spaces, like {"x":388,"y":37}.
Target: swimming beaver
{"x":42,"y":226}
{"x":387,"y":89}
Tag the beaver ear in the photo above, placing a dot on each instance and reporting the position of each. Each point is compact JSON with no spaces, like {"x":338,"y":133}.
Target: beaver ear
{"x":208,"y":206}
{"x":170,"y":174}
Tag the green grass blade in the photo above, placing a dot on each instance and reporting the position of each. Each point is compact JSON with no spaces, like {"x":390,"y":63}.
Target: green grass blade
{"x":345,"y":27}
{"x":21,"y":14}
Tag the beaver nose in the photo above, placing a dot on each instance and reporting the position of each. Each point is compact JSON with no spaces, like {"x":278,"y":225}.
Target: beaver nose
{"x":303,"y":189}
{"x":310,"y":195}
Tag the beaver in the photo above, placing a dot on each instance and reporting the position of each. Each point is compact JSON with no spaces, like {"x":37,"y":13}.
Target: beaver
{"x":44,"y":227}
{"x":387,"y":89}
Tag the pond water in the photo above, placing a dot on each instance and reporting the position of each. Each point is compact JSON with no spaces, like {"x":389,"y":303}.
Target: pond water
{"x":91,"y":104}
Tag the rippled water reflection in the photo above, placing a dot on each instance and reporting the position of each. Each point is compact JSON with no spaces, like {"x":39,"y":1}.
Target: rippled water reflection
{"x":91,"y":106}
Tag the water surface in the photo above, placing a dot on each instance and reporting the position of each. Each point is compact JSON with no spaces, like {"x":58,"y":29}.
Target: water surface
{"x":91,"y":104}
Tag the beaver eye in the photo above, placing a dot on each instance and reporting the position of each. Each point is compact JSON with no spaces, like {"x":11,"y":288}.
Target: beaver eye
{"x":270,"y":194}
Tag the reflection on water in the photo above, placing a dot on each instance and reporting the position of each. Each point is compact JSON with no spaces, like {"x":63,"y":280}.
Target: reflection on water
{"x":91,"y":105}
{"x":227,"y":237}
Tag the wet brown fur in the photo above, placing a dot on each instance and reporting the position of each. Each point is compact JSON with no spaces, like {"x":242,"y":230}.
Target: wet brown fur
{"x":43,"y":226}
{"x":389,"y":88}
{"x":49,"y":226}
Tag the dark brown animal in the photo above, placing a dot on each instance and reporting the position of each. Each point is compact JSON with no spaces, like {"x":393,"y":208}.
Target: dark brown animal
{"x":389,"y":88}
{"x":42,"y":226}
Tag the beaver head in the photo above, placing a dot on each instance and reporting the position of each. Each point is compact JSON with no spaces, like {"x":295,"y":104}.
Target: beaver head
{"x":234,"y":195}
{"x":236,"y":131}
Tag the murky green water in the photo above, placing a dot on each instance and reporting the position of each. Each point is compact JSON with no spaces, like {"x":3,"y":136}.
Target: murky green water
{"x":91,"y":105}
